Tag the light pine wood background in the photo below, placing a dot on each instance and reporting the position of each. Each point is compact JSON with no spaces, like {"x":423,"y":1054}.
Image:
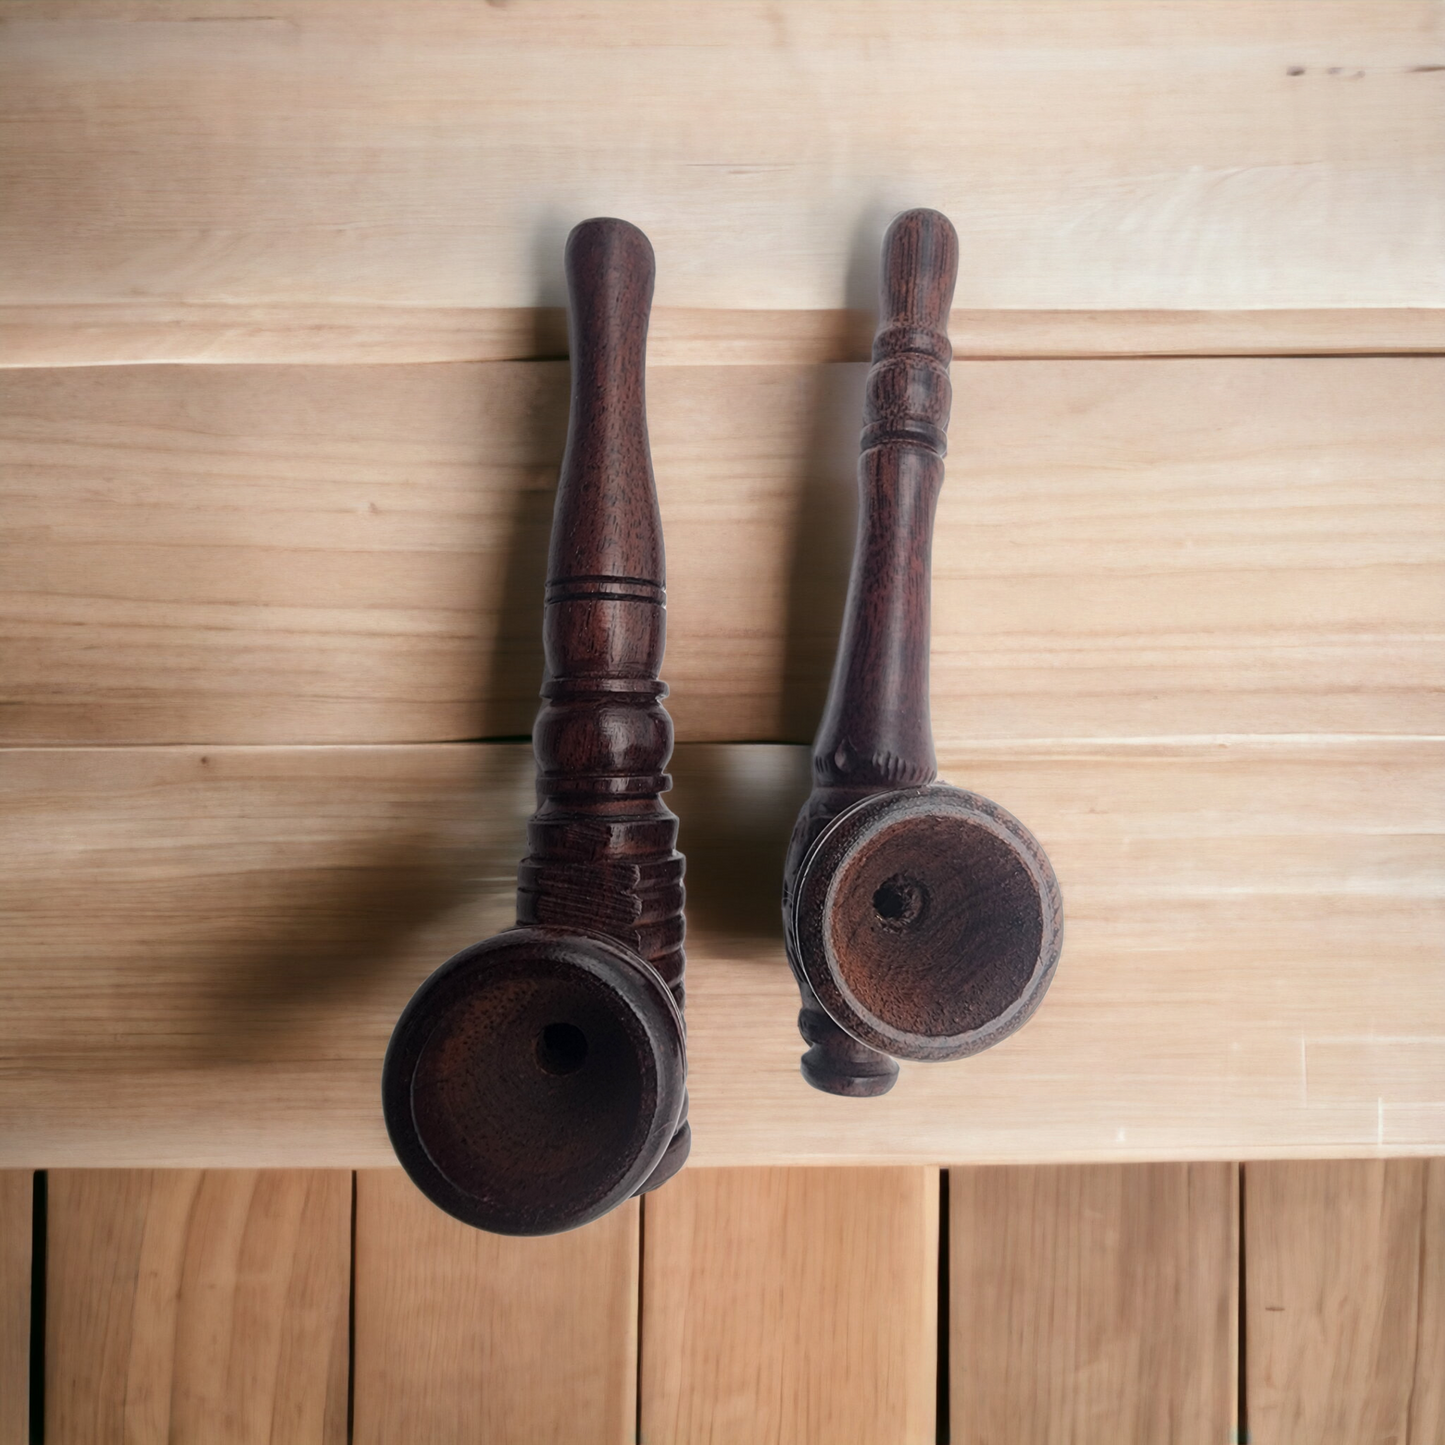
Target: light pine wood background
{"x":393,"y":181}
{"x":1288,"y":1302}
{"x":282,"y":405}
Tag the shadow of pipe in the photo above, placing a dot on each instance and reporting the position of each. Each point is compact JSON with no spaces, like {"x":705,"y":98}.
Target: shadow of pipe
{"x":293,"y":955}
{"x":511,"y":656}
{"x":823,"y":525}
{"x":512,"y":661}
{"x":737,"y":805}
{"x":326,"y":938}
{"x":825,"y":518}
{"x":340,"y":934}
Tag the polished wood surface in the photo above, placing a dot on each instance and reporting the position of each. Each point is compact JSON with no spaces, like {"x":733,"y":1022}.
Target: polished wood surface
{"x":356,"y":554}
{"x":463,"y":1336}
{"x":337,"y":180}
{"x":1093,"y":1304}
{"x":790,"y":1307}
{"x":921,"y":921}
{"x":197,"y":1306}
{"x":537,"y":1079}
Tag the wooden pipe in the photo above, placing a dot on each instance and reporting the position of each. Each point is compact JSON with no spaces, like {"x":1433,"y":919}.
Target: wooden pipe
{"x":921,"y":921}
{"x":537,"y":1079}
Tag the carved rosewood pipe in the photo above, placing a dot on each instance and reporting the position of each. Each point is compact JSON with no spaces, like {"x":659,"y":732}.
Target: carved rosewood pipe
{"x":537,"y":1079}
{"x":921,"y":921}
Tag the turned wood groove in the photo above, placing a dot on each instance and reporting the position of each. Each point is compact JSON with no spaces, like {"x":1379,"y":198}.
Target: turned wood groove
{"x":537,"y":1078}
{"x":921,"y":921}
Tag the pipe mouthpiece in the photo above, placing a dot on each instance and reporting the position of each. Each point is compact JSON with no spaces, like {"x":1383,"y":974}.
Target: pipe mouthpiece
{"x":610,"y":270}
{"x":920,"y":267}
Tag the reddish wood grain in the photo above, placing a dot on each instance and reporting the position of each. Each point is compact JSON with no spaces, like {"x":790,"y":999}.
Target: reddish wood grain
{"x":921,"y":921}
{"x":536,"y":1080}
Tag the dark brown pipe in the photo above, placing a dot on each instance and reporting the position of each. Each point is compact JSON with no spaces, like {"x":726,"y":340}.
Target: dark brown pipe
{"x":921,"y":921}
{"x":537,"y":1079}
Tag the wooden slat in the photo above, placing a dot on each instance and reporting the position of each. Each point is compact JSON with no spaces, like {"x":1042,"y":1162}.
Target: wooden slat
{"x":16,"y":1189}
{"x":791,"y":1307}
{"x":1333,"y":1280}
{"x":355,"y":554}
{"x":1427,"y":1400}
{"x":319,"y":160}
{"x":463,"y":1336}
{"x":203,"y":952}
{"x":159,"y":333}
{"x":1094,"y":1305}
{"x":189,"y":1306}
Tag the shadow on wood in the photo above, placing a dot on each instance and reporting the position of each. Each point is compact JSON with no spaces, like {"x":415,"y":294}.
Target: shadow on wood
{"x":823,"y":523}
{"x":339,"y":931}
{"x":737,"y":807}
{"x":341,"y":920}
{"x":826,"y":513}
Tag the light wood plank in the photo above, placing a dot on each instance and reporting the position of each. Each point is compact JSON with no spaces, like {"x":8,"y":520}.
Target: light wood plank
{"x":239,"y":929}
{"x":355,"y":554}
{"x":431,"y":156}
{"x":1333,"y":1275}
{"x":16,"y":1189}
{"x":463,"y":1336}
{"x":281,"y":557}
{"x":1094,"y":1305}
{"x":203,"y":952}
{"x":1427,"y":1397}
{"x":135,"y":333}
{"x":197,"y":1306}
{"x":791,"y":1307}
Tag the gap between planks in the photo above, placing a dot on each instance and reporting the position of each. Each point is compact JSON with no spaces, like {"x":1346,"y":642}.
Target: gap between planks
{"x":120,"y":334}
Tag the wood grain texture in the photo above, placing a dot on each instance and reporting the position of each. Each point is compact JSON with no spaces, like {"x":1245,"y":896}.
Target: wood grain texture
{"x":1343,"y":1297}
{"x":1427,"y":1401}
{"x":355,"y":554}
{"x":203,"y":952}
{"x":157,"y":333}
{"x":184,"y":1305}
{"x":538,"y":1078}
{"x":463,"y":1336}
{"x":249,"y":160}
{"x":16,"y":1190}
{"x":790,"y":1307}
{"x":921,"y":921}
{"x":1094,"y":1305}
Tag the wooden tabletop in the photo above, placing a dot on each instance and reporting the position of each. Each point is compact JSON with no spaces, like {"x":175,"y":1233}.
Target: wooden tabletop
{"x":280,"y":295}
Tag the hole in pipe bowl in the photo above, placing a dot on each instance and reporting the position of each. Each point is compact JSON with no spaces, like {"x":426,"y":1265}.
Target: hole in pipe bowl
{"x":561,"y":1049}
{"x":535,"y":1080}
{"x":928,"y":922}
{"x":900,"y":902}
